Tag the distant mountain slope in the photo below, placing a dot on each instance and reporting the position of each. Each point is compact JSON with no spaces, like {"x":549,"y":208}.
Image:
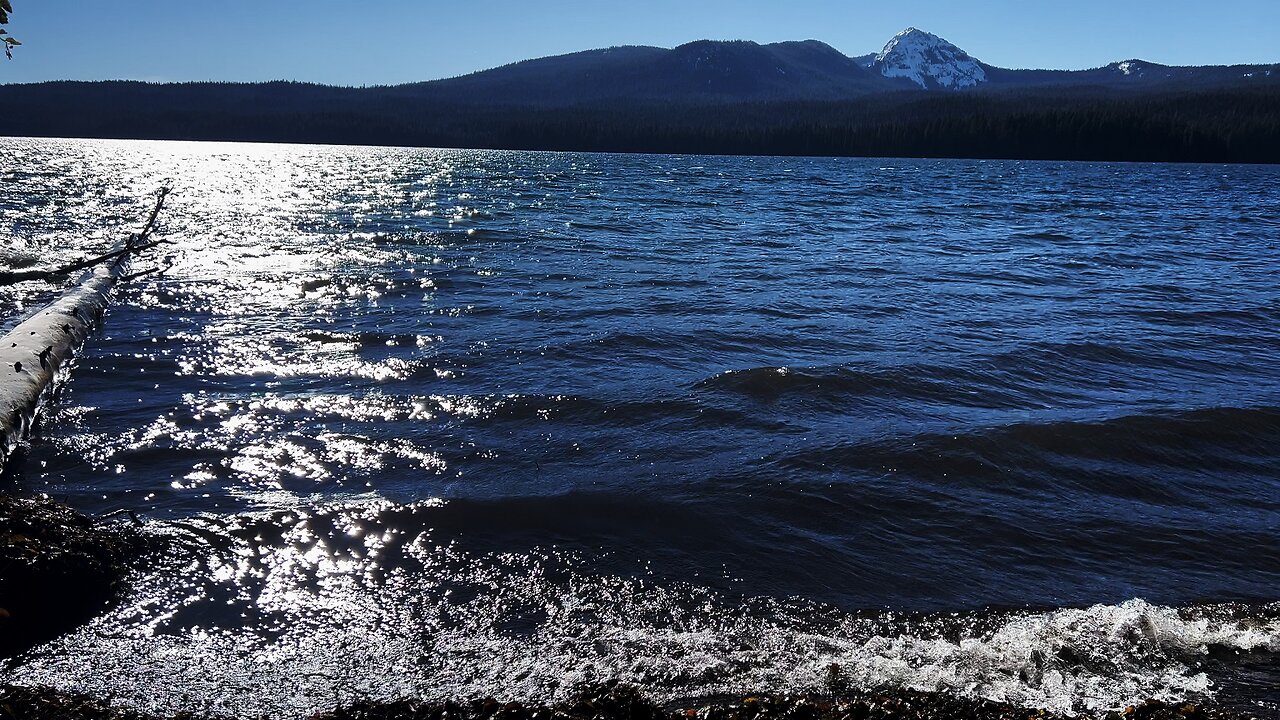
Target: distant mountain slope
{"x":574,"y":77}
{"x":928,"y":61}
{"x":789,"y":70}
{"x":1137,"y":75}
{"x":742,"y":71}
{"x":704,"y":69}
{"x":920,"y":96}
{"x":718,"y":72}
{"x":932,"y":63}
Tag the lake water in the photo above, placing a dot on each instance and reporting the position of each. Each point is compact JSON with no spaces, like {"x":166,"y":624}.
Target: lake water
{"x":450,"y":423}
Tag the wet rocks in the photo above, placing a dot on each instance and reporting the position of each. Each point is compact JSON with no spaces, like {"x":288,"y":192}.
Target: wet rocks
{"x":23,"y":703}
{"x":57,"y":569}
{"x":910,"y":705}
{"x":613,"y":701}
{"x":621,"y":702}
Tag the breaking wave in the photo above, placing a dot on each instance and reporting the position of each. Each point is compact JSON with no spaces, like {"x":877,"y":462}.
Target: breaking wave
{"x":379,"y":600}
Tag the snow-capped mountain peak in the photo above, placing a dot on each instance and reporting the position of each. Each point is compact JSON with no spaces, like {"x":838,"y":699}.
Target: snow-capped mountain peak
{"x":929,"y":61}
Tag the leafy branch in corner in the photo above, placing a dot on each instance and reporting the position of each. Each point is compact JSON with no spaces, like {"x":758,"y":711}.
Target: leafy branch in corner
{"x":5,"y":39}
{"x":136,"y":243}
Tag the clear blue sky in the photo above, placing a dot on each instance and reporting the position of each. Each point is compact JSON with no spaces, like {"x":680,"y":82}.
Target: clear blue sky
{"x":361,"y":42}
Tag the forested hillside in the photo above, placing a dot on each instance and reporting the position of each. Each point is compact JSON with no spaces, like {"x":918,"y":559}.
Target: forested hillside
{"x":1226,"y":124}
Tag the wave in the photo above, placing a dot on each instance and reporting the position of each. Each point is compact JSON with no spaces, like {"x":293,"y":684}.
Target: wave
{"x":1223,"y":439}
{"x":837,"y":387}
{"x":372,"y":599}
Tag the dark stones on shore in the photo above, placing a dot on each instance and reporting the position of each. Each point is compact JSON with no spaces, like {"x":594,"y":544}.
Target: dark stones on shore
{"x":614,"y":701}
{"x":58,"y":568}
{"x":22,"y":703}
{"x":621,"y":702}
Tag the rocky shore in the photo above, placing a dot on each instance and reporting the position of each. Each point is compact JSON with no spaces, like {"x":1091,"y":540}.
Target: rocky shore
{"x":58,"y":568}
{"x":621,"y":702}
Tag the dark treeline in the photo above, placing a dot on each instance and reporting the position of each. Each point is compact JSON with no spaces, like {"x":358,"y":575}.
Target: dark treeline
{"x":1240,"y":124}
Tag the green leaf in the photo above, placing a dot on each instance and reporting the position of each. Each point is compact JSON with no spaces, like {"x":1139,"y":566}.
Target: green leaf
{"x":5,"y":6}
{"x":10,"y":41}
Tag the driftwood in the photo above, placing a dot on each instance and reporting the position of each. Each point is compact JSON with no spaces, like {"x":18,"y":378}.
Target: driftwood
{"x":134,"y":244}
{"x":32,"y":354}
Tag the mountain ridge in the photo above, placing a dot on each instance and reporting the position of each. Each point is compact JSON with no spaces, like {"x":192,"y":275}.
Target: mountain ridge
{"x":920,"y":97}
{"x":914,"y":59}
{"x":929,"y":61}
{"x":719,"y":71}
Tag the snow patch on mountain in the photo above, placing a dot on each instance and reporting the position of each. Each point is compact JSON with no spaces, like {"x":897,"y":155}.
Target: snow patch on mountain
{"x":1143,"y":70}
{"x":1134,"y":68}
{"x":866,"y":61}
{"x":929,"y":61}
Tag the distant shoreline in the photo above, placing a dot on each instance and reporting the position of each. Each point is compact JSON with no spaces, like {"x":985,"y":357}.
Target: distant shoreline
{"x":1239,"y":124}
{"x":470,"y":148}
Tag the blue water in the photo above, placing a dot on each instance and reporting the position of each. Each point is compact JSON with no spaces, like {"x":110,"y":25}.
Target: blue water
{"x":501,"y":422}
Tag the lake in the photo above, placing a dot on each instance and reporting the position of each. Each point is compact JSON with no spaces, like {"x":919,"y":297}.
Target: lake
{"x":447,"y":423}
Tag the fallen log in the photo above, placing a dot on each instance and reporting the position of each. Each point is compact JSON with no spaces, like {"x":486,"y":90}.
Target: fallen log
{"x":34,"y":352}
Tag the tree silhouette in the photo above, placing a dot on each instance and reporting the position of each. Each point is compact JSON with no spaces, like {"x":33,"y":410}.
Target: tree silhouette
{"x":5,"y":39}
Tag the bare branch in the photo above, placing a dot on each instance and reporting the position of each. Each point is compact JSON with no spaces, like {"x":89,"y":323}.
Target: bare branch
{"x":155,"y":213}
{"x":144,"y":273}
{"x":134,"y":244}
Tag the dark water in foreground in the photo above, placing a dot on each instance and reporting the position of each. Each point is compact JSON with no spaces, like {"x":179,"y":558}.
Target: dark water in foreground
{"x":452,"y":422}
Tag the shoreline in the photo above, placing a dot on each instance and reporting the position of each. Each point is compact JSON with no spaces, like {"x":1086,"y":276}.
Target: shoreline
{"x":477,"y":147}
{"x":615,"y":701}
{"x":79,"y":566}
{"x":60,"y":568}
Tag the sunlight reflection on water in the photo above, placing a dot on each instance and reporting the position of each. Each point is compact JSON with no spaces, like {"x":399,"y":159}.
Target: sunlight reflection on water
{"x":460,"y":422}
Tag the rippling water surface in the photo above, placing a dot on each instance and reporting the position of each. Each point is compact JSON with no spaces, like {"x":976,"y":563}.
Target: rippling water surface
{"x":446,"y":423}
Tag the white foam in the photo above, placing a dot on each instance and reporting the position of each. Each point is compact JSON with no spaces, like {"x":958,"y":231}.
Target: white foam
{"x":1101,"y":657}
{"x":334,"y":609}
